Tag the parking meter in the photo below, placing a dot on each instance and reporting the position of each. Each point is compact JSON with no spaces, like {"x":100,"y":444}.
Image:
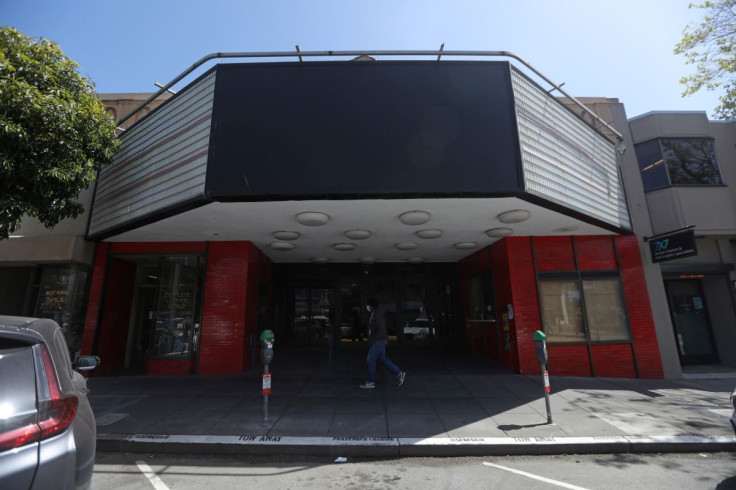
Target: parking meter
{"x":267,"y":340}
{"x":540,"y":345}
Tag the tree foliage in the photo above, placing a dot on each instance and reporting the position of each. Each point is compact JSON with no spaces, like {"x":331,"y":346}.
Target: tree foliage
{"x":54,"y":132}
{"x":711,"y":47}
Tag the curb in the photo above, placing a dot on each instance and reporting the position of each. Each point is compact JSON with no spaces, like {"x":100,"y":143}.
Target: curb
{"x":408,"y":447}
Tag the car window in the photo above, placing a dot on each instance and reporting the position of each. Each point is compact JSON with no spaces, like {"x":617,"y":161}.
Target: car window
{"x":17,"y":385}
{"x":63,"y":350}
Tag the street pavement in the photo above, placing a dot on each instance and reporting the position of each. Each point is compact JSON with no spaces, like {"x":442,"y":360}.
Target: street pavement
{"x":450,"y":405}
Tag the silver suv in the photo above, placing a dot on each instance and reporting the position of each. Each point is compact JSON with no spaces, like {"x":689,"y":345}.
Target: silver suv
{"x":47,"y":428}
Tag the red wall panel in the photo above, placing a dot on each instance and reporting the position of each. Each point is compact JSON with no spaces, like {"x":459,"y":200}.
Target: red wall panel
{"x":525,"y":303}
{"x":595,"y":253}
{"x":554,"y":253}
{"x":567,"y":360}
{"x":639,"y":308}
{"x":613,"y":361}
{"x":173,"y":367}
{"x":115,"y":320}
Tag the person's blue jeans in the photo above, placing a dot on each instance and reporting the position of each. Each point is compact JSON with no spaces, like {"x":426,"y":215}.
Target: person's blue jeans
{"x":377,"y":352}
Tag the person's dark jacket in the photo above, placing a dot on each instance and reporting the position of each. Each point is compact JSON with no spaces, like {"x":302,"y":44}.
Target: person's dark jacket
{"x":377,"y":327}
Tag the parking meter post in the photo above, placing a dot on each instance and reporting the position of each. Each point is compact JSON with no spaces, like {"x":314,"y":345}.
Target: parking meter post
{"x":540,"y":344}
{"x":267,"y":341}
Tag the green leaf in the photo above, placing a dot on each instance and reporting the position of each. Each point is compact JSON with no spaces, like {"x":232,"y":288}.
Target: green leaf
{"x":54,"y":132}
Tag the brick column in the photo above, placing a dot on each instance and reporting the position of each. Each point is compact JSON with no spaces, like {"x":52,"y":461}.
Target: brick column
{"x":226,"y":296}
{"x":643,"y":332}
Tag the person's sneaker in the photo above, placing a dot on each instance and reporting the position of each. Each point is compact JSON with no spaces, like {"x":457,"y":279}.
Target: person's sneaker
{"x":401,"y":377}
{"x":368,"y":385}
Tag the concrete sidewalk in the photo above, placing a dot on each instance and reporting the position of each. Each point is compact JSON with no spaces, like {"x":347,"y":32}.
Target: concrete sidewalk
{"x":448,"y":406}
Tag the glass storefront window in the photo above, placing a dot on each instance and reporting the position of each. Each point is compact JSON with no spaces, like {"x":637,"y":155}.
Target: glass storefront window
{"x":481,"y":297}
{"x":418,"y":321}
{"x":177,"y":307}
{"x":562,"y":314}
{"x":605,"y":309}
{"x":62,"y":297}
{"x":562,"y":309}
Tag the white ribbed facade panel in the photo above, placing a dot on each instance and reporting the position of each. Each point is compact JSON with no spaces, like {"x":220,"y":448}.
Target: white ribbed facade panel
{"x":162,"y":161}
{"x":564,"y":160}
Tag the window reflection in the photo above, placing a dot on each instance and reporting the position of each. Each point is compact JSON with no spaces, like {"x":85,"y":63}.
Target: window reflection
{"x":678,"y":161}
{"x":691,"y":161}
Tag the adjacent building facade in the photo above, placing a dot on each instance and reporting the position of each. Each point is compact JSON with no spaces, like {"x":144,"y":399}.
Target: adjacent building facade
{"x":475,"y":207}
{"x":687,"y":164}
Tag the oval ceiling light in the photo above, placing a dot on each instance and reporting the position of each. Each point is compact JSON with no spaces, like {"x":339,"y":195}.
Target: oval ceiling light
{"x":429,"y":233}
{"x":312,"y":218}
{"x":320,"y":260}
{"x":499,"y":232}
{"x":368,"y":260}
{"x":282,"y":246}
{"x":565,"y":229}
{"x":406,"y":246}
{"x":343,"y":247}
{"x":415,"y":260}
{"x":286,"y":235}
{"x":514,"y":216}
{"x":465,"y":245}
{"x":358,"y":234}
{"x":414,"y":217}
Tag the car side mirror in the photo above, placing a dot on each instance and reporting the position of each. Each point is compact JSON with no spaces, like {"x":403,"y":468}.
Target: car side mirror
{"x":86,"y":363}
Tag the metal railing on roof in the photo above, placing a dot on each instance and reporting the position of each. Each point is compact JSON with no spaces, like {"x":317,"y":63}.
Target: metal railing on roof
{"x":315,"y":54}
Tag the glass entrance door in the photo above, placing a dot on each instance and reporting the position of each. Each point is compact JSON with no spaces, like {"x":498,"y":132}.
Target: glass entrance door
{"x":691,"y":322}
{"x":312,"y":314}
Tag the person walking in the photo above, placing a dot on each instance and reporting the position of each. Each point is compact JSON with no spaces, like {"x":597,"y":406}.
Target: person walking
{"x":378,"y":338}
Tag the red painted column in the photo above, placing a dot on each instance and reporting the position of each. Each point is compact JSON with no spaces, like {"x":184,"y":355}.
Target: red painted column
{"x":223,"y":338}
{"x":95,"y":297}
{"x":525,"y":301}
{"x":639,"y":308}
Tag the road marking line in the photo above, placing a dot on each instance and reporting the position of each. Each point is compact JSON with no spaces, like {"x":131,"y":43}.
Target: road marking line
{"x":536,"y":477}
{"x":152,"y":477}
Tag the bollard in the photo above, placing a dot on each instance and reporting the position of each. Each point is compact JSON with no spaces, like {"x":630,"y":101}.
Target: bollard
{"x":267,"y":340}
{"x":540,"y":342}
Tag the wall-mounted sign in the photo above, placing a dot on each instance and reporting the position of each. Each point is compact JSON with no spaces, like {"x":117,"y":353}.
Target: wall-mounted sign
{"x":671,"y":246}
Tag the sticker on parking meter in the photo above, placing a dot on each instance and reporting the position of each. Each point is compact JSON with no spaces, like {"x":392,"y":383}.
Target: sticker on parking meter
{"x":266,"y":384}
{"x":546,"y":382}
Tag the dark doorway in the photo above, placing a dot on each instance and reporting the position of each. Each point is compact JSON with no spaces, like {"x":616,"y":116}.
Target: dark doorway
{"x":322,"y":305}
{"x":142,"y":327}
{"x":691,"y":322}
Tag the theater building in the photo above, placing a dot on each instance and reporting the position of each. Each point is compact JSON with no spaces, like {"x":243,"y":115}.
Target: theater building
{"x":472,"y":204}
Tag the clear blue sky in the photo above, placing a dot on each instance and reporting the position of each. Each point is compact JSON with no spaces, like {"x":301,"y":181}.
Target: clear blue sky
{"x":610,"y":48}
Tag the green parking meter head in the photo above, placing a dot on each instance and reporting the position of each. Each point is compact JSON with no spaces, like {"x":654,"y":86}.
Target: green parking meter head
{"x":539,"y":335}
{"x":267,"y":335}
